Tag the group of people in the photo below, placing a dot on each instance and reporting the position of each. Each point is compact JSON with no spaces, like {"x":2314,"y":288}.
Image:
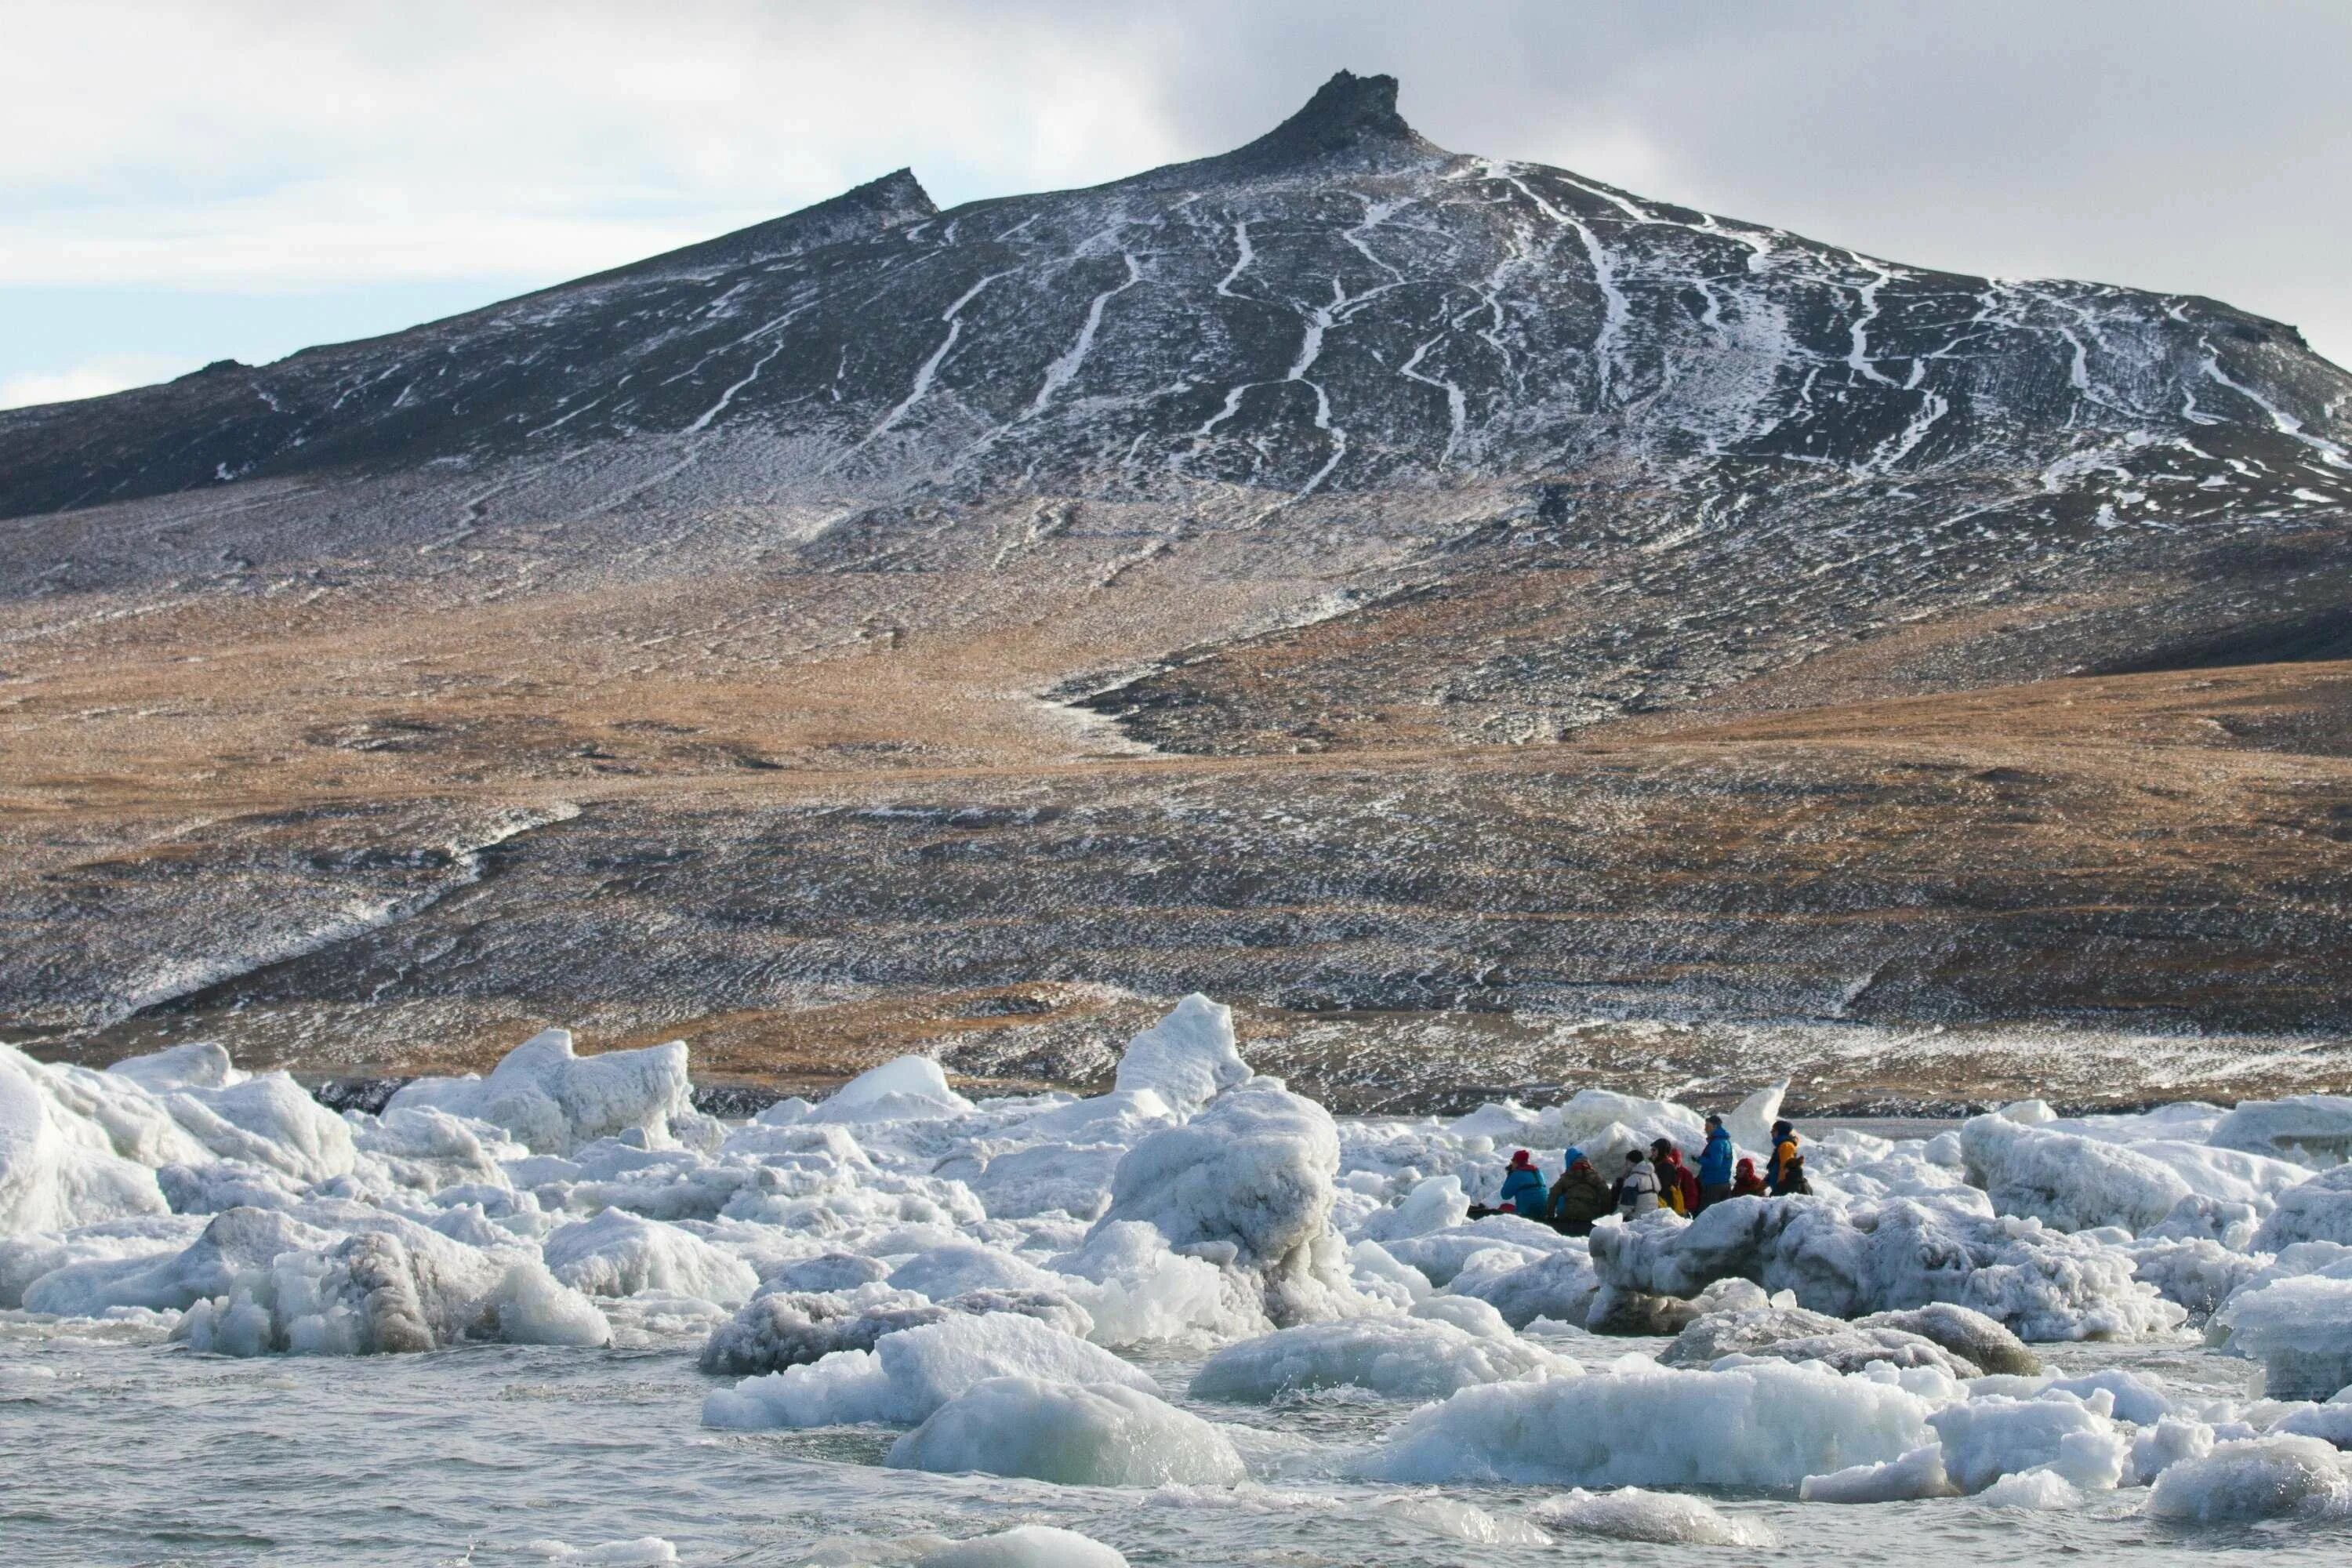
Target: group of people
{"x":1658,"y":1179}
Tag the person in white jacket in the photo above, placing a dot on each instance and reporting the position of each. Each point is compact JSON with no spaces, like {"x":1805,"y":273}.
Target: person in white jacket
{"x":1637,"y":1189}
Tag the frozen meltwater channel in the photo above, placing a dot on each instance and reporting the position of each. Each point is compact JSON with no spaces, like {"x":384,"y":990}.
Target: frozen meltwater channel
{"x":556,"y":1315}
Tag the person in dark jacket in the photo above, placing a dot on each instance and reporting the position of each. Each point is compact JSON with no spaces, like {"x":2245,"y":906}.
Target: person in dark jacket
{"x":1714,"y":1165}
{"x":1523,"y":1186}
{"x":1676,"y":1186}
{"x":1579,"y":1196}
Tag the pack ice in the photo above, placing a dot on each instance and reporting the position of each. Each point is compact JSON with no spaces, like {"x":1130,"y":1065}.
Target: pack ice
{"x":987,"y":1280}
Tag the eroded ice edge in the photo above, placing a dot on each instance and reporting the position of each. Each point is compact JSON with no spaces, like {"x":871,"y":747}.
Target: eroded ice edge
{"x":1111,"y":1292}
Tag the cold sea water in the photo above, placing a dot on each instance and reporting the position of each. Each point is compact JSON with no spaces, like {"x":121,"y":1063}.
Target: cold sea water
{"x":117,"y":1448}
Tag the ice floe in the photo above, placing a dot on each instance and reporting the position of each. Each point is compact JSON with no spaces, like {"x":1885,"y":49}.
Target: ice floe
{"x":989,"y":1277}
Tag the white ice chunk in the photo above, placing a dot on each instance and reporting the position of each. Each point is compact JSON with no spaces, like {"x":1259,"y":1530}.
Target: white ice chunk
{"x":1896,"y":1254}
{"x":2043,"y":1489}
{"x":57,"y":1170}
{"x":2301,"y":1328}
{"x":620,"y":1254}
{"x":2065,"y":1180}
{"x":2263,"y":1477}
{"x":2317,"y":1210}
{"x":1187,"y":1059}
{"x":1628,"y":1427}
{"x":904,"y":1088}
{"x":908,"y":1376}
{"x":1086,"y":1434}
{"x":199,"y":1064}
{"x":2313,"y":1127}
{"x":1669,"y":1518}
{"x":1916,"y":1475}
{"x":553,"y":1100}
{"x":1396,"y":1358}
{"x":1143,"y":1291}
{"x":1024,"y":1546}
{"x":1994,"y":1436}
{"x":1248,"y":1182}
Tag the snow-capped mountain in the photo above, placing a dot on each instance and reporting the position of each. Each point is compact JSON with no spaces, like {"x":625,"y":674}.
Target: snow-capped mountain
{"x":1337,"y":307}
{"x":1338,"y":443}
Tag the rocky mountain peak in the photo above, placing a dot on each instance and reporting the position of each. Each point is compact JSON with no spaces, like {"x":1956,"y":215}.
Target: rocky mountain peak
{"x":1351,"y":122}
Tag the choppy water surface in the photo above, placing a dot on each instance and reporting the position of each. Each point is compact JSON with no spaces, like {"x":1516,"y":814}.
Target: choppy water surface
{"x":116,"y":1448}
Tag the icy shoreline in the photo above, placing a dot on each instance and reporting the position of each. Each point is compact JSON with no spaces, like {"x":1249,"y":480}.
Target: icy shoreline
{"x":1000,"y":1287}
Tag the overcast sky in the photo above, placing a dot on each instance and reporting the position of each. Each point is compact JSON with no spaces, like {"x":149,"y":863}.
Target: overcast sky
{"x":186,"y":182}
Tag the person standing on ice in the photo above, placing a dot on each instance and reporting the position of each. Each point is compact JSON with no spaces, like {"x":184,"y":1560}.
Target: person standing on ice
{"x":1579,"y":1196}
{"x":1676,"y":1186}
{"x":1636,"y":1191}
{"x":1714,"y":1165}
{"x":1744,"y":1181}
{"x":1786,"y":1173}
{"x":1523,"y":1186}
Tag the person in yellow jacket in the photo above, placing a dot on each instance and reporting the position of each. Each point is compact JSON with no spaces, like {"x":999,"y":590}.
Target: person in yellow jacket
{"x":1786,"y":1173}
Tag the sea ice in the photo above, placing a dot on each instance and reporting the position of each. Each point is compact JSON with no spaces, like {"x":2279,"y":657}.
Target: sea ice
{"x":1073,"y":1434}
{"x":1187,"y":1059}
{"x":2262,"y":1478}
{"x":1024,"y":1546}
{"x":1774,"y":1425}
{"x":1396,"y":1358}
{"x":1669,"y":1518}
{"x":553,"y":1100}
{"x":908,"y":1374}
{"x":1248,"y":1182}
{"x":619,"y":1254}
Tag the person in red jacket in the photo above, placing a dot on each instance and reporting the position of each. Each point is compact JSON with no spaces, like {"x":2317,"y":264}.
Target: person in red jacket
{"x":1675,"y":1176}
{"x":1746,"y":1182}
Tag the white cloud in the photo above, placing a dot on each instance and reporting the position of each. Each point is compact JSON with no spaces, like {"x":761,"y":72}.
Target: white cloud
{"x":90,"y":378}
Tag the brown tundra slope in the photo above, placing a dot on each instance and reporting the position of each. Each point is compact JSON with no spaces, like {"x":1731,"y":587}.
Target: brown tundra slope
{"x":1496,"y":629}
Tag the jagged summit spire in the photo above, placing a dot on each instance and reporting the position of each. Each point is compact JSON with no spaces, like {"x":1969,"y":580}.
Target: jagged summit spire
{"x":1350,"y":122}
{"x":1345,"y":112}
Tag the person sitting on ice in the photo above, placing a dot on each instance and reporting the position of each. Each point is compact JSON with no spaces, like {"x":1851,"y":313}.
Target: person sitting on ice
{"x":1636,"y":1191}
{"x":1523,"y":1186}
{"x":1784,"y":1149}
{"x":1579,"y":1196}
{"x":1744,"y":1181}
{"x":1714,"y":1165}
{"x":1677,"y":1188}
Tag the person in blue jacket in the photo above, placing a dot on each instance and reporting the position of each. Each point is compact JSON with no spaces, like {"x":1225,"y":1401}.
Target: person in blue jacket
{"x":1714,"y":1164}
{"x":1523,"y":1186}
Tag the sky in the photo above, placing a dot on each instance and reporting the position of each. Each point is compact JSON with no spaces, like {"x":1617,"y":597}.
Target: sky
{"x":183,"y":182}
